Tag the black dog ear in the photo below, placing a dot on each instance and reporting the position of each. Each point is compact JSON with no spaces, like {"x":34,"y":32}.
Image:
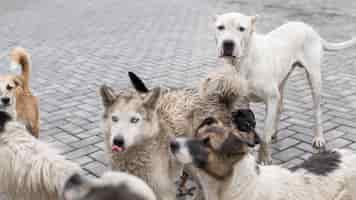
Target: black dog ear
{"x":244,"y":120}
{"x":137,"y":83}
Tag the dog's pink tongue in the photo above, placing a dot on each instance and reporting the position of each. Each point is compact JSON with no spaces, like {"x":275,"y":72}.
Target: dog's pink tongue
{"x":116,"y":149}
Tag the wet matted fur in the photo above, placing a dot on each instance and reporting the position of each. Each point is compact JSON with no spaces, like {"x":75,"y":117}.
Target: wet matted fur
{"x":143,"y":151}
{"x":29,"y":168}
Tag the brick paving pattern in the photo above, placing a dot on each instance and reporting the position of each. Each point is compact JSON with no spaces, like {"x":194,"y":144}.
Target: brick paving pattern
{"x":78,"y":45}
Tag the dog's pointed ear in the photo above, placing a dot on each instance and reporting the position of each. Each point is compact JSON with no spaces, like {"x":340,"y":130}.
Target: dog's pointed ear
{"x":137,"y":83}
{"x":18,"y":81}
{"x":151,"y":99}
{"x":253,"y":23}
{"x":107,"y":95}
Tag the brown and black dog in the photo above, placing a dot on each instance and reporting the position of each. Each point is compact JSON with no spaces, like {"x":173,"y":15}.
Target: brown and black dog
{"x":15,"y":94}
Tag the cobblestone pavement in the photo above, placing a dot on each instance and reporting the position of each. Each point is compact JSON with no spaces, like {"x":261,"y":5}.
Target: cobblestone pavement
{"x":78,"y":45}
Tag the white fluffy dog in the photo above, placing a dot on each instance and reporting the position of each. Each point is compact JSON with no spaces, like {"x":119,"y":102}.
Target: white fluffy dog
{"x":262,"y":64}
{"x":30,"y":169}
{"x":111,"y":186}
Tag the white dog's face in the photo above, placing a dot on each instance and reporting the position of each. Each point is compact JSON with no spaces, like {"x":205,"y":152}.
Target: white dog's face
{"x":8,"y":86}
{"x":127,"y":129}
{"x":233,"y":32}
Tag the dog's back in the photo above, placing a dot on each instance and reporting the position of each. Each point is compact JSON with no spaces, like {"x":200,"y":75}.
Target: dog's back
{"x":30,"y":169}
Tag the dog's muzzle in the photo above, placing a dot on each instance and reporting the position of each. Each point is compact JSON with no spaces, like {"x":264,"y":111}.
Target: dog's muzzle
{"x":228,"y":48}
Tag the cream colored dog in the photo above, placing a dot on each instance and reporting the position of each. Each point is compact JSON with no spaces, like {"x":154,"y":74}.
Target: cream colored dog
{"x":262,"y":63}
{"x":29,"y":168}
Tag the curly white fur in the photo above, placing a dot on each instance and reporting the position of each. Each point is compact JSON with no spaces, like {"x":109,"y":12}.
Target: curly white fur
{"x":30,"y":169}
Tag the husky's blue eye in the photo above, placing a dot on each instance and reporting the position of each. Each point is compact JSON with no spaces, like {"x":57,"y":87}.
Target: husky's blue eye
{"x":134,"y":120}
{"x":114,"y":119}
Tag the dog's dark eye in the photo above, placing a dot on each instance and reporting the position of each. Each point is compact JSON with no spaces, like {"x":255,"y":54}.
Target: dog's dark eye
{"x":206,"y":141}
{"x":221,"y":27}
{"x":9,"y":87}
{"x":134,"y":120}
{"x":241,"y":29}
{"x":245,"y":127}
{"x":114,"y":119}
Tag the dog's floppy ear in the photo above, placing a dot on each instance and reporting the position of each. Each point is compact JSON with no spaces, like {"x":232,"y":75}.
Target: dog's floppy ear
{"x":151,"y":99}
{"x":137,"y":83}
{"x":107,"y":95}
{"x":245,"y":122}
{"x":236,"y":142}
{"x":249,"y":138}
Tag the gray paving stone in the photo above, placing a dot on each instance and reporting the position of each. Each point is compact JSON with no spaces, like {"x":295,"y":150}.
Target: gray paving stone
{"x":81,"y":152}
{"x":286,"y":143}
{"x":96,"y":168}
{"x":338,"y":143}
{"x":288,"y":154}
{"x":86,"y":142}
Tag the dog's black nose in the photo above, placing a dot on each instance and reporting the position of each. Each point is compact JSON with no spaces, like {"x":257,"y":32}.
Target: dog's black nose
{"x":174,"y":146}
{"x":119,"y":141}
{"x":5,"y":100}
{"x":228,"y":47}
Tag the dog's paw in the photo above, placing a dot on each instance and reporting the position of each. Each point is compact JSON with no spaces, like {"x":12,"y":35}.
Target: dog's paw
{"x":319,"y":142}
{"x":266,"y":162}
{"x":264,"y":158}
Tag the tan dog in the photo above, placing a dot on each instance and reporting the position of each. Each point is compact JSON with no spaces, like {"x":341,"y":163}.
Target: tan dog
{"x":15,"y":94}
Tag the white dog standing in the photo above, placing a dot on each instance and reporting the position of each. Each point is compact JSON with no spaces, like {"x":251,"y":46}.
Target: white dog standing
{"x":263,"y":63}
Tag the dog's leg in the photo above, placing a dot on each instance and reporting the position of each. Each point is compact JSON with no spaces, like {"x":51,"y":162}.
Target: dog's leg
{"x":315,"y":85}
{"x":314,"y":79}
{"x":280,"y":102}
{"x":311,"y":61}
{"x":269,"y":129}
{"x":280,"y":109}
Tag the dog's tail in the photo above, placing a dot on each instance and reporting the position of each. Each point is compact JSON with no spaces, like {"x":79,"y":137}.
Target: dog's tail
{"x":330,"y":46}
{"x":20,"y":58}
